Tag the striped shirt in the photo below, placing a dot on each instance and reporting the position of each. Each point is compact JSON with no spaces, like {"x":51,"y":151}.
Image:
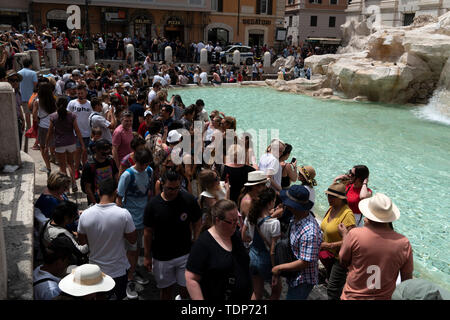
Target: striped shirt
{"x":306,"y":237}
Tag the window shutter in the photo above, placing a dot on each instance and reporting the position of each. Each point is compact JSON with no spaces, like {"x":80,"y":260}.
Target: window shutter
{"x":269,"y":5}
{"x":258,"y":6}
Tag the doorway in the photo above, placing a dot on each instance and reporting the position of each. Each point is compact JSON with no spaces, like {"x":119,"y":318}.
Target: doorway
{"x":255,"y":39}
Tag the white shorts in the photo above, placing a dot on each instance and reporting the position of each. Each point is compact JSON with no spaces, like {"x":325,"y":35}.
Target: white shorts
{"x":70,"y":148}
{"x":167,"y":273}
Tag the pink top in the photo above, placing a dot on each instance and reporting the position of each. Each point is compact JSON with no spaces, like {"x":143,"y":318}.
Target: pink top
{"x":374,"y":258}
{"x":122,"y":140}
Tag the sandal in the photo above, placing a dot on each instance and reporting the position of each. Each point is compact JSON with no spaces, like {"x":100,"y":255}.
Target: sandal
{"x":36,"y":147}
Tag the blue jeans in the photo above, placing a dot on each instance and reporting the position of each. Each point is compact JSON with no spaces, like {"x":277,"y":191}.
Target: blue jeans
{"x":301,"y":292}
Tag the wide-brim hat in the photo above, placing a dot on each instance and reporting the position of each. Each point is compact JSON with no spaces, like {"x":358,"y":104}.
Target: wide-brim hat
{"x":379,"y":208}
{"x":46,"y":33}
{"x":297,"y":197}
{"x":256,"y":177}
{"x":86,"y":279}
{"x":338,"y":190}
{"x":12,"y":73}
{"x":308,"y":173}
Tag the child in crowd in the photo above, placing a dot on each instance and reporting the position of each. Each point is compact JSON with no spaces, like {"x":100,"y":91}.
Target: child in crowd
{"x":96,"y":134}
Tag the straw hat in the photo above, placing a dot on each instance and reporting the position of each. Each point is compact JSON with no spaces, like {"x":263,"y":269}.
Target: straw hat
{"x":379,"y":208}
{"x":308,"y":173}
{"x":47,"y":34}
{"x":86,"y":279}
{"x":256,"y":177}
{"x":337,"y":190}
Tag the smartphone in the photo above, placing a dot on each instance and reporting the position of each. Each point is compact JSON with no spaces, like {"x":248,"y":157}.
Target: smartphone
{"x":293,"y":160}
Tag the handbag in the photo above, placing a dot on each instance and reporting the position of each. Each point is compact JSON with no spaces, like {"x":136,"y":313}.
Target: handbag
{"x":327,"y":258}
{"x":284,"y":254}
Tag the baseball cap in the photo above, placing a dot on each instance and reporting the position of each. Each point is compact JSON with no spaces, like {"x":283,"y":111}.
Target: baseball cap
{"x":70,"y":85}
{"x":147,"y":113}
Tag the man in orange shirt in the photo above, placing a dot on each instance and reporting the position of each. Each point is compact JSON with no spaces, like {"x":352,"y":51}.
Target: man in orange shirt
{"x":375,"y":254}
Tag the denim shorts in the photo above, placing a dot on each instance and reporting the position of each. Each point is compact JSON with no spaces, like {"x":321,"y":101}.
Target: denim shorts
{"x":260,"y":263}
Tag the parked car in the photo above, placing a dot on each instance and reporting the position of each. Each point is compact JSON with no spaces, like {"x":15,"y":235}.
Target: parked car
{"x":247,"y":56}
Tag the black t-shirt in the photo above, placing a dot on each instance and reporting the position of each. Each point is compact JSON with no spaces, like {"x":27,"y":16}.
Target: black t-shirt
{"x":170,"y":221}
{"x":237,"y":177}
{"x":138,"y":111}
{"x":94,"y":172}
{"x":225,"y":276}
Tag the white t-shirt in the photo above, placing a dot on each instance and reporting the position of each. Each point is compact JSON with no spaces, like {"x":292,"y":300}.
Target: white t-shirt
{"x":44,"y":117}
{"x":196,"y":78}
{"x":82,"y":111}
{"x":271,"y":166}
{"x":97,"y":120}
{"x":151,"y":95}
{"x":269,"y":229}
{"x":105,"y":226}
{"x":46,"y":290}
{"x":312,"y":195}
{"x":47,"y":44}
{"x":203,"y":77}
{"x":160,"y":79}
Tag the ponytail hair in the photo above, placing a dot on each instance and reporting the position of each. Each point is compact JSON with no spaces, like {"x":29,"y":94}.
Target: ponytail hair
{"x":61,"y":108}
{"x":259,"y":204}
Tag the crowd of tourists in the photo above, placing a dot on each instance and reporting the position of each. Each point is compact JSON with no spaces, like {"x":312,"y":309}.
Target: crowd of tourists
{"x":216,"y":228}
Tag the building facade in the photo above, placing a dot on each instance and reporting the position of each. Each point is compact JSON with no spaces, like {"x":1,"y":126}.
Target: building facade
{"x":313,"y":19}
{"x":396,"y":13}
{"x":250,"y":22}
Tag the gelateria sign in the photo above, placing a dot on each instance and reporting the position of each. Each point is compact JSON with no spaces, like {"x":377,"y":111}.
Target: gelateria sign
{"x":256,"y":21}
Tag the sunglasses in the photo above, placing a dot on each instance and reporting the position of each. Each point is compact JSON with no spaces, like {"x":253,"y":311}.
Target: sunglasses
{"x":230,"y":222}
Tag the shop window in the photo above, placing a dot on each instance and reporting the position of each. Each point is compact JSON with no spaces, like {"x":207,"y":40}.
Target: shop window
{"x":218,"y":35}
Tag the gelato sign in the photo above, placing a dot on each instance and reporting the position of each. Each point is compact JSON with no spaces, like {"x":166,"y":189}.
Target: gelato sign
{"x":74,"y":19}
{"x":256,"y":21}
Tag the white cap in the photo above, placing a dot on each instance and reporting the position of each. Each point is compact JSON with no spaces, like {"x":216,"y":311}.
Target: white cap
{"x":147,"y":112}
{"x":127,"y":85}
{"x":173,"y":136}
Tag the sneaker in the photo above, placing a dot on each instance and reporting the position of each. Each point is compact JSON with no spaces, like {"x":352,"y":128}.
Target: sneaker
{"x":44,"y":169}
{"x":131,"y":290}
{"x":141,"y":280}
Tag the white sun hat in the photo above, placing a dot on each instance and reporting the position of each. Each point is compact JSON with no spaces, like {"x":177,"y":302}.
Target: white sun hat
{"x":86,"y":279}
{"x":379,"y":208}
{"x":256,"y":177}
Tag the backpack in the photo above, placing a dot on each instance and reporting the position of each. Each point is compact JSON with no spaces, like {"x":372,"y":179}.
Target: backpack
{"x":132,"y":189}
{"x":284,"y":254}
{"x":92,"y":167}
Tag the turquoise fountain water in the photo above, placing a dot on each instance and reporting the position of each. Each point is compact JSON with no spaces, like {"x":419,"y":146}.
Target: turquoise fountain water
{"x":408,"y":158}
